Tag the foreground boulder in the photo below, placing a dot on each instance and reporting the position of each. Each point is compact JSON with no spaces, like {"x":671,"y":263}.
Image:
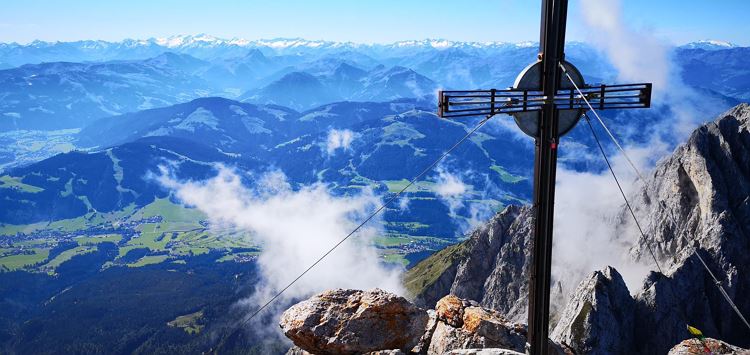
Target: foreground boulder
{"x":354,"y":322}
{"x":376,"y":322}
{"x":696,"y":347}
{"x":464,"y":325}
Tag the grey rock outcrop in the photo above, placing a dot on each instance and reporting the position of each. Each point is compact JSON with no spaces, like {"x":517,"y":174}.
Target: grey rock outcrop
{"x":599,"y":318}
{"x":354,"y":322}
{"x":464,"y":326}
{"x":490,"y":267}
{"x":697,"y":201}
{"x":350,"y":321}
{"x":696,"y":347}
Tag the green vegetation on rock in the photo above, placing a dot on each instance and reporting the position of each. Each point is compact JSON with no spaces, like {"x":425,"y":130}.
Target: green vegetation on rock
{"x":427,"y":272}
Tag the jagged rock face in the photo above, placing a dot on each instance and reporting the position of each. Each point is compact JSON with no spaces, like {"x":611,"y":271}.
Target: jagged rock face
{"x":354,"y":322}
{"x":699,"y":196}
{"x":697,"y":347}
{"x":490,"y":267}
{"x":599,"y":318}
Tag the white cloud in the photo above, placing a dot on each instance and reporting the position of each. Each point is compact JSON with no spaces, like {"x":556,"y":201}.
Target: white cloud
{"x":588,"y":206}
{"x":295,"y":227}
{"x":639,"y":56}
{"x":449,"y":186}
{"x":403,"y":203}
{"x":455,"y":194}
{"x":339,"y":139}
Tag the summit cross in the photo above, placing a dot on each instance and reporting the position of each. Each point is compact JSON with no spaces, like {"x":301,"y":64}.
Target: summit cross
{"x":547,"y":101}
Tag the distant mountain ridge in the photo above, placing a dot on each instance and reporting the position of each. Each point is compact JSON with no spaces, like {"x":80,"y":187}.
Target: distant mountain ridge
{"x":302,"y":91}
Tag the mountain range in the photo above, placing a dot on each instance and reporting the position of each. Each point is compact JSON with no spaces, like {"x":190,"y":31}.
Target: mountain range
{"x":87,"y":129}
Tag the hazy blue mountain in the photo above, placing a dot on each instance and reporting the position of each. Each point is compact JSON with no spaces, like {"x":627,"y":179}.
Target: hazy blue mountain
{"x":345,"y":79}
{"x":303,"y":91}
{"x":69,"y":95}
{"x":242,"y":73}
{"x":297,"y":90}
{"x":177,"y":62}
{"x":725,"y":71}
{"x":222,"y":123}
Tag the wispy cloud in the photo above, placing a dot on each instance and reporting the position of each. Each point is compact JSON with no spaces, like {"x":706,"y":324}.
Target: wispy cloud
{"x":339,"y":139}
{"x":294,"y":227}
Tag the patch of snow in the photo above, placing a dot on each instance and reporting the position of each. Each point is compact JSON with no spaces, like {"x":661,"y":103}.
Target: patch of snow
{"x":254,"y":125}
{"x":279,"y":114}
{"x":237,"y":110}
{"x":199,"y":117}
{"x":710,"y":44}
{"x":161,"y":131}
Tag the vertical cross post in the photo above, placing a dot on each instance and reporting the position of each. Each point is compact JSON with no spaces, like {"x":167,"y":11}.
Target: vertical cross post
{"x":552,"y":42}
{"x":545,"y":106}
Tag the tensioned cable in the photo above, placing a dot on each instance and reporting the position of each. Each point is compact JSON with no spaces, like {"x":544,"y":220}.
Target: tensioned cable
{"x":622,"y":192}
{"x":612,"y":136}
{"x":672,"y":219}
{"x":370,"y":217}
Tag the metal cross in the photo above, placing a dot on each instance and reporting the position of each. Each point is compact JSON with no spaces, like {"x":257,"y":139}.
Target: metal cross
{"x":545,"y":104}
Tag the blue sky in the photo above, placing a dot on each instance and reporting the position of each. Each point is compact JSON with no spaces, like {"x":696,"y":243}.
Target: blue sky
{"x":353,"y":20}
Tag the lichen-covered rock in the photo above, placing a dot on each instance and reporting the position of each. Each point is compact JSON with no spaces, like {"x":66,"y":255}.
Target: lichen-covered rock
{"x":354,"y":322}
{"x":462,"y":325}
{"x":599,"y":318}
{"x":697,"y":347}
{"x":450,"y":310}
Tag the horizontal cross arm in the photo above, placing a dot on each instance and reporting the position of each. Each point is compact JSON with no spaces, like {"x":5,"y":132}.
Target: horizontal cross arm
{"x":509,"y":101}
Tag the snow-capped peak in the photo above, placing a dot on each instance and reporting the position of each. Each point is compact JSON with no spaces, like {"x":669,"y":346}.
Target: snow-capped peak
{"x":186,"y":40}
{"x":710,"y":44}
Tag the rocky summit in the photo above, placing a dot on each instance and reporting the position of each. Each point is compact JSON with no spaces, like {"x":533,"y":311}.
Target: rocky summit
{"x":376,"y":322}
{"x":599,"y":318}
{"x":354,"y":322}
{"x":706,"y":346}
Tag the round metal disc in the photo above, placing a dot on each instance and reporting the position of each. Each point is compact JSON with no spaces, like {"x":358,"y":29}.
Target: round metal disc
{"x":531,"y":78}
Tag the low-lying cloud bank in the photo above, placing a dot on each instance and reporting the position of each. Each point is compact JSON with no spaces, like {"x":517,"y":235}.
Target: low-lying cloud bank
{"x":294,"y":226}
